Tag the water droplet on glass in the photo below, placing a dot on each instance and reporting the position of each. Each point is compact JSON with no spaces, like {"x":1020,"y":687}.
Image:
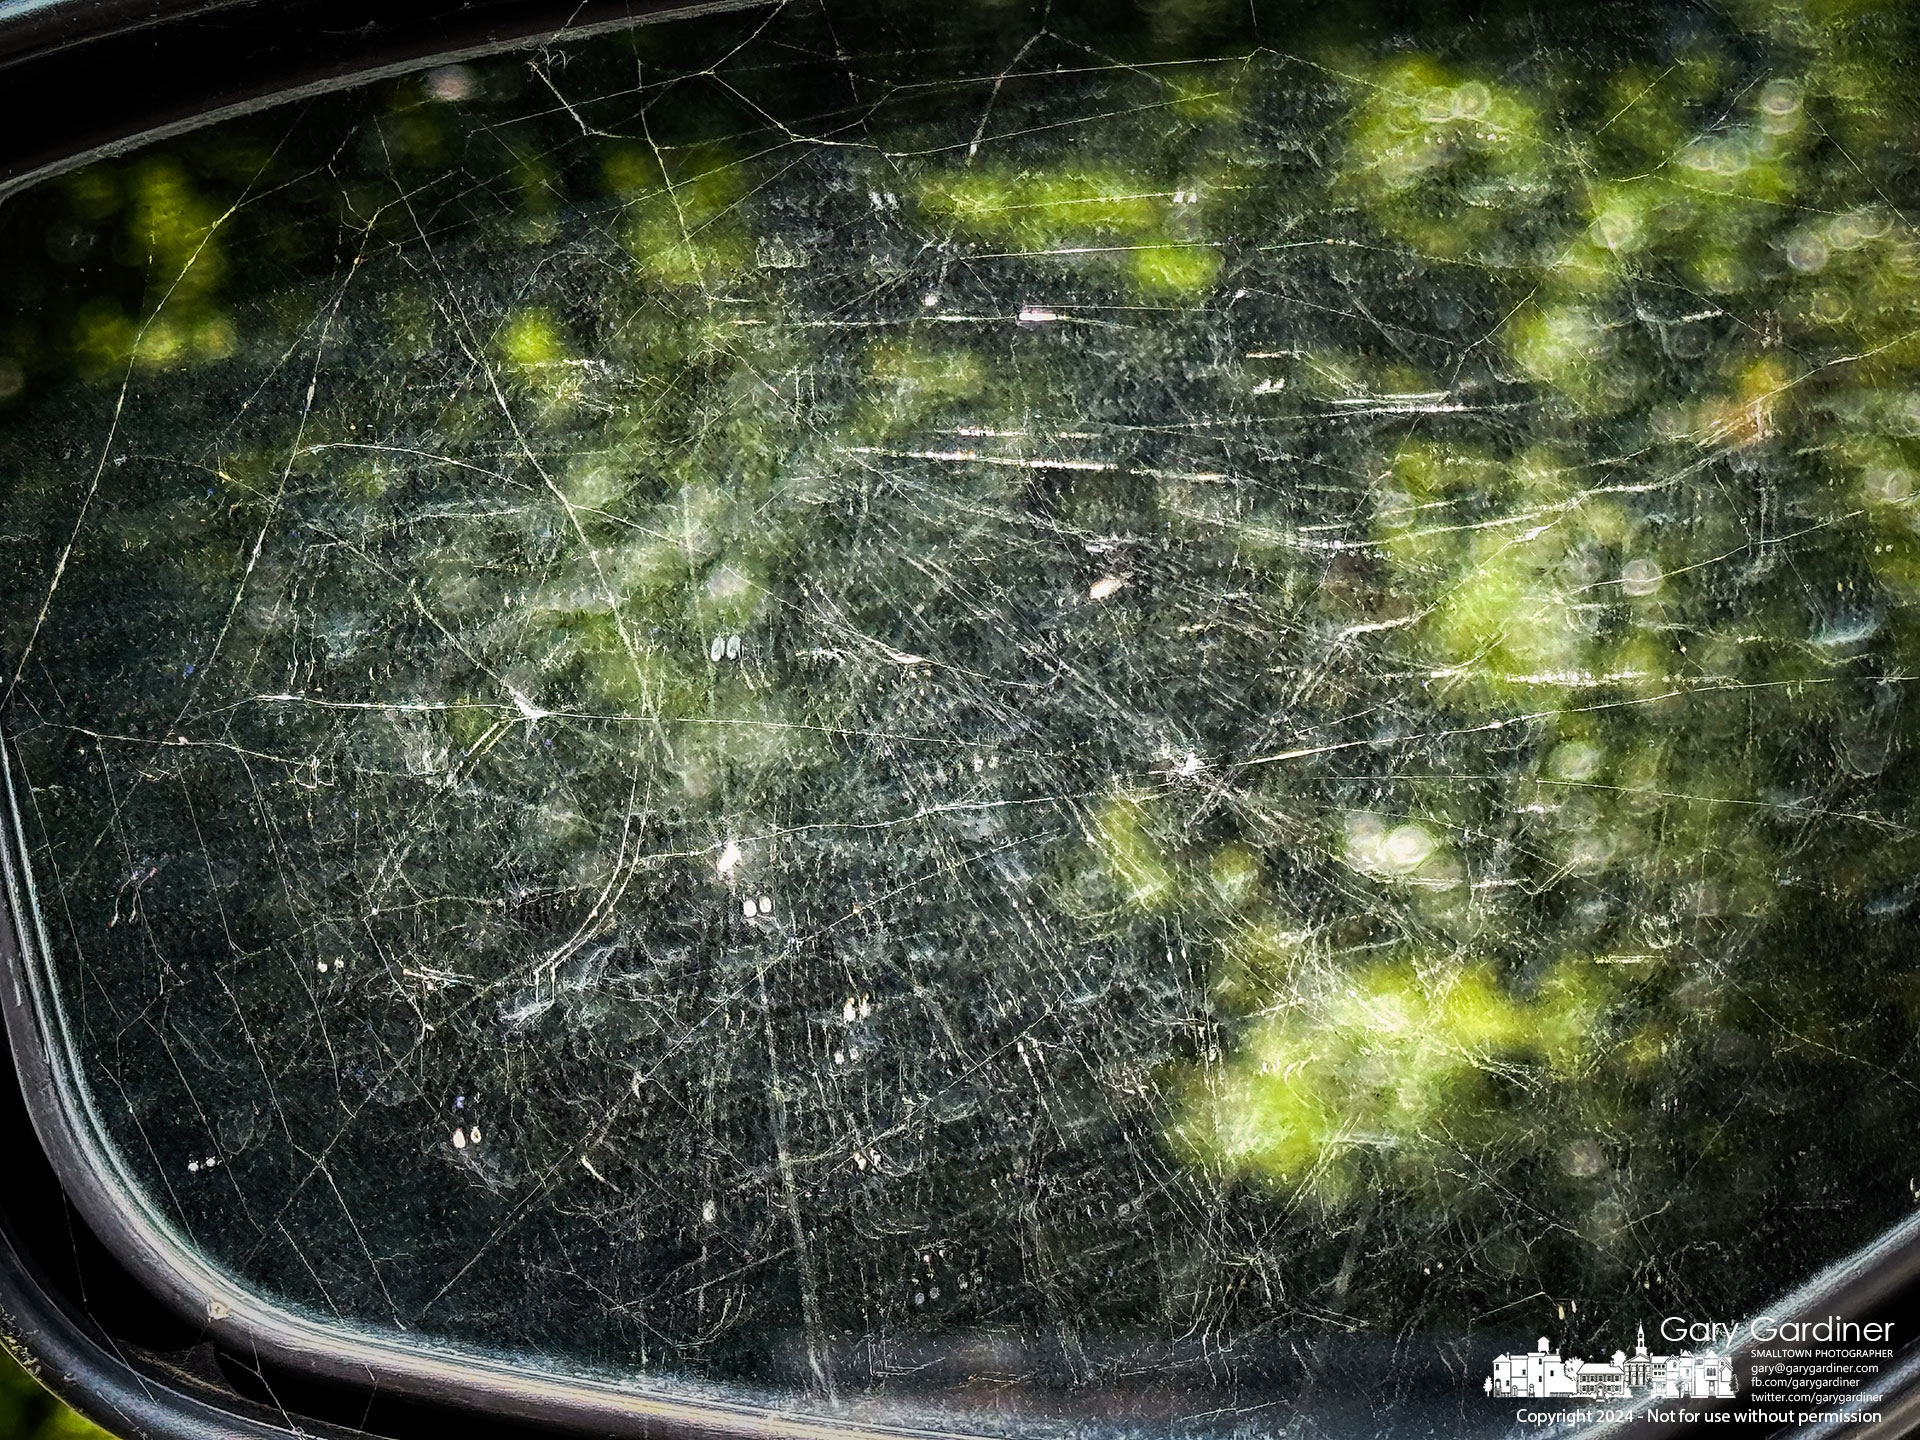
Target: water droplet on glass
{"x":1640,"y":577}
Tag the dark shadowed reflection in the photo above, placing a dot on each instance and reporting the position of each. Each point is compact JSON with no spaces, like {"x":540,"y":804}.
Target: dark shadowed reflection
{"x":1143,"y":716}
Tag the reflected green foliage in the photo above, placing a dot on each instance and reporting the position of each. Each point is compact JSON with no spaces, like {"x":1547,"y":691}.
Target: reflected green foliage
{"x":1553,"y":584}
{"x":1329,"y":624}
{"x":1148,"y":235}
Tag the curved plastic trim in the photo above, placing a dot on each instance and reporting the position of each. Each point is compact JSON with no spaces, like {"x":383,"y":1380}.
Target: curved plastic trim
{"x":96,"y":1181}
{"x":100,"y":1384}
{"x":82,"y":79}
{"x":56,"y":33}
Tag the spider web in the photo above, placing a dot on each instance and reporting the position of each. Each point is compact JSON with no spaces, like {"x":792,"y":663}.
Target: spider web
{"x":1016,"y":717}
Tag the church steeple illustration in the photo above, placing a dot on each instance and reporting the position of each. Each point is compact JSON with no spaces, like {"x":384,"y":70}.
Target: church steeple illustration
{"x":1544,"y":1373}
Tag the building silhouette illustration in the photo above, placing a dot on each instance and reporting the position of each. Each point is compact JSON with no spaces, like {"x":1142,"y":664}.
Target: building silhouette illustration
{"x":1542,"y":1374}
